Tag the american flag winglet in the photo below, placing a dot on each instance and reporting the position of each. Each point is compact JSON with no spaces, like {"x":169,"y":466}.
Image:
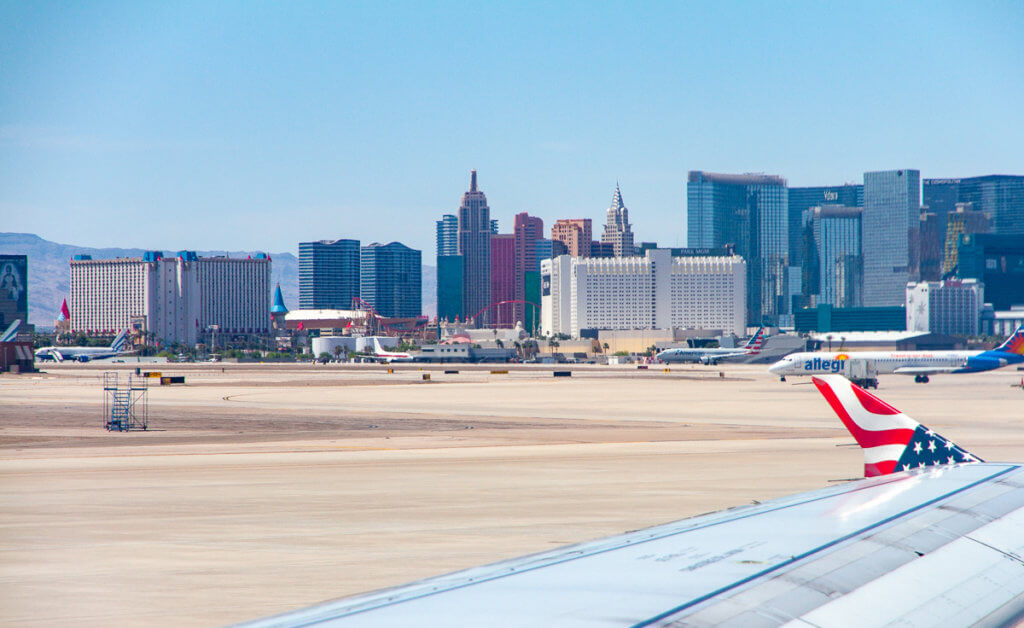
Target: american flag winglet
{"x":891,"y":440}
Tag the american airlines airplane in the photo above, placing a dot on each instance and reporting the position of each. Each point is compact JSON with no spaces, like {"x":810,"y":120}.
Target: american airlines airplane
{"x":84,"y":354}
{"x":382,"y":355}
{"x":920,"y":364}
{"x":931,"y":537}
{"x":712,"y":356}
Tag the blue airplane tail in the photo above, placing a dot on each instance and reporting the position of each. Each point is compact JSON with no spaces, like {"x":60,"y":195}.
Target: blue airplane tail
{"x":119,"y":341}
{"x":12,"y":332}
{"x":1014,"y":344}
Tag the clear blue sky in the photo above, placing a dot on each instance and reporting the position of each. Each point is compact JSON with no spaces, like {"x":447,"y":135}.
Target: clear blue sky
{"x":254,"y":125}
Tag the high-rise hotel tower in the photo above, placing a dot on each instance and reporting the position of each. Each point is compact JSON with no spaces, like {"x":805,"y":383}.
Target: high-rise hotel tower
{"x":475,"y":249}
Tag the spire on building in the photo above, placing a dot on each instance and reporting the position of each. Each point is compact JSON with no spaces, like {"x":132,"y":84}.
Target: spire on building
{"x":617,"y":230}
{"x":279,"y":306}
{"x":472,"y":181}
{"x":65,"y":313}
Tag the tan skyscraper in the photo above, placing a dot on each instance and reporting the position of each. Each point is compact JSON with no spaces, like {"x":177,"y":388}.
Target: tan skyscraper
{"x":575,"y":233}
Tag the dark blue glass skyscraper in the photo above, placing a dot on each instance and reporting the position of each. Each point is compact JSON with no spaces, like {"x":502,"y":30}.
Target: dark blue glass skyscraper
{"x":802,"y":199}
{"x":448,"y":235}
{"x":749,"y":211}
{"x":328,"y":274}
{"x":390,"y":279}
{"x":1001,"y":196}
{"x":889,"y":227}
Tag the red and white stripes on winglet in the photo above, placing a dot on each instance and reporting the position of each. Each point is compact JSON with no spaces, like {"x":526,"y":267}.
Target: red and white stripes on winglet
{"x":882,"y":431}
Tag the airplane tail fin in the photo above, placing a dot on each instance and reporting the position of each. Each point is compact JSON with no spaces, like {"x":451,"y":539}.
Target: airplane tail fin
{"x":891,"y":440}
{"x":12,"y":331}
{"x":1015,"y":343}
{"x":376,"y":346}
{"x":753,"y":345}
{"x":119,"y":340}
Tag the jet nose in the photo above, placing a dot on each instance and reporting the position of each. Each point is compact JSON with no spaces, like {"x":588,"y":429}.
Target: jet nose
{"x":777,"y":367}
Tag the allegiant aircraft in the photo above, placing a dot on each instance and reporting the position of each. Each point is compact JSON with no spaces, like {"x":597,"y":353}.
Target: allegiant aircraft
{"x":920,"y":364}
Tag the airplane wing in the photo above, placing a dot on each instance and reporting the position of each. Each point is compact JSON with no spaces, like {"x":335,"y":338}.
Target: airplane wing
{"x":938,"y":544}
{"x":728,"y":355}
{"x":926,"y":370}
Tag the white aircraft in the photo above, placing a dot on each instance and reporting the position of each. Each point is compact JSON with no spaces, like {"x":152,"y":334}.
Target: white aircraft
{"x":920,"y":364}
{"x":932,"y":537}
{"x":84,"y":354}
{"x":712,"y":356}
{"x":382,"y":355}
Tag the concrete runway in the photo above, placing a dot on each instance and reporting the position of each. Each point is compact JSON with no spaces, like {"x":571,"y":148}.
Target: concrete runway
{"x":264,"y":488}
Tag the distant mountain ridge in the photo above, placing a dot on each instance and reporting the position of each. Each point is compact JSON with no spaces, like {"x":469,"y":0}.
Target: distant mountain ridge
{"x":48,"y":276}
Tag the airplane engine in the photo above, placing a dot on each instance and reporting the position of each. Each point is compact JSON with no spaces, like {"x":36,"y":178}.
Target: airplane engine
{"x":83,"y":358}
{"x":982,"y":363}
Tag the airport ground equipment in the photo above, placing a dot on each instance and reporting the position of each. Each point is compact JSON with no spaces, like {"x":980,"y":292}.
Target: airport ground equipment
{"x":125,"y":402}
{"x":862,"y":372}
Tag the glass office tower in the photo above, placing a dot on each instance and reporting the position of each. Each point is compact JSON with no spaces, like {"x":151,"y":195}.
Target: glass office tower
{"x":391,"y":279}
{"x":802,"y":199}
{"x":328,"y":274}
{"x":892,"y":207}
{"x":749,"y":211}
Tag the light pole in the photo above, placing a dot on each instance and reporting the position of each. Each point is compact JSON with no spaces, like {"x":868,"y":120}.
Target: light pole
{"x":213,"y":329}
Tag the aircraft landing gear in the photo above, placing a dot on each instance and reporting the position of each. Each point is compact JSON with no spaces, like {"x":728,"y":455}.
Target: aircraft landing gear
{"x":782,"y":379}
{"x":921,"y":379}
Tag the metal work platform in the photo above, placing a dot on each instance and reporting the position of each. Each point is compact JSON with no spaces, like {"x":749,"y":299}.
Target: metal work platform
{"x":125,"y":402}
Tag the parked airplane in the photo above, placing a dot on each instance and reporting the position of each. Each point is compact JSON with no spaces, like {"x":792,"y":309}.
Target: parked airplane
{"x":712,"y":356}
{"x":11,"y":333}
{"x":84,"y":354}
{"x":927,"y":540}
{"x":382,"y":355}
{"x":920,"y":364}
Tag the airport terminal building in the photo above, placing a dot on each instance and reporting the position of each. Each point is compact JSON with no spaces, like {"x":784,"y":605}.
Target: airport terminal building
{"x":174,"y":298}
{"x":656,"y":291}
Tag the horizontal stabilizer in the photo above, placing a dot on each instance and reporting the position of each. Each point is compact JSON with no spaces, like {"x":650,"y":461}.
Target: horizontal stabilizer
{"x":891,"y":440}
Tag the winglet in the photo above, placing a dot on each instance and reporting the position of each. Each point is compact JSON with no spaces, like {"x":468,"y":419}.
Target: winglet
{"x":891,"y":440}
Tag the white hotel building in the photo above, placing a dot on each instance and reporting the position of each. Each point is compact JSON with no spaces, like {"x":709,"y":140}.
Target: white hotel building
{"x":656,"y":291}
{"x":175,"y":298}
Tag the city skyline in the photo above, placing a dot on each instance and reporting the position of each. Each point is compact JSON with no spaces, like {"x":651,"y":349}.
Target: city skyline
{"x":257,"y":127}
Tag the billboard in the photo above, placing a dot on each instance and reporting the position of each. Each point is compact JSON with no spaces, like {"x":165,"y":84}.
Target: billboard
{"x":13,"y":289}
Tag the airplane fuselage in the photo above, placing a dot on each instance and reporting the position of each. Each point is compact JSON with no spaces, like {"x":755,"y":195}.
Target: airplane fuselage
{"x":886,"y":362}
{"x":698,"y":355}
{"x":80,"y":354}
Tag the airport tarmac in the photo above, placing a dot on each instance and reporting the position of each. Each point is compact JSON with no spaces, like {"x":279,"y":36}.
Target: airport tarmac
{"x":264,"y":488}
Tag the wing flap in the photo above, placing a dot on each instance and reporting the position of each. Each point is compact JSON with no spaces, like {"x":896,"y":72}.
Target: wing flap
{"x":962,"y":582}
